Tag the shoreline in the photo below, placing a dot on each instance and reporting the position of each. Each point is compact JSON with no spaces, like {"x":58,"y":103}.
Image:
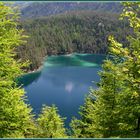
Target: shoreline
{"x":35,"y":70}
{"x":68,"y":54}
{"x":38,"y":69}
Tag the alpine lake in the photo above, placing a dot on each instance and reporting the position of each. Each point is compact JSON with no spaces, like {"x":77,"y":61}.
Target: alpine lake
{"x":64,"y":80}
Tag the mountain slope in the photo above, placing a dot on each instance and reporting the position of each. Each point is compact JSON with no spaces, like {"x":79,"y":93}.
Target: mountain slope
{"x":39,"y":9}
{"x":75,"y":31}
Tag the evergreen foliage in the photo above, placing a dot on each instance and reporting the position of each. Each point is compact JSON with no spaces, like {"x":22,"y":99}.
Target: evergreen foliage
{"x":50,"y":124}
{"x":15,"y":115}
{"x":16,"y":119}
{"x":113,"y":110}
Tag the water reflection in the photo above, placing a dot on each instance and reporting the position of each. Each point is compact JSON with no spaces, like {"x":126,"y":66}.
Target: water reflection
{"x":69,"y":87}
{"x":64,"y":86}
{"x":28,"y":79}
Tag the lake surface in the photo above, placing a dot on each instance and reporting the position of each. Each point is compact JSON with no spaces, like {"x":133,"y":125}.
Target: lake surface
{"x":64,"y":81}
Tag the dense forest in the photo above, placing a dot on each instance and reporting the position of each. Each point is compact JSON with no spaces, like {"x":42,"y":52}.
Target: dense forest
{"x":81,"y":31}
{"x":111,"y":111}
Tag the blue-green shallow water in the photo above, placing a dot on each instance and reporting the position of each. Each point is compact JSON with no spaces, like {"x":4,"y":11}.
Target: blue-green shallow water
{"x":63,"y":81}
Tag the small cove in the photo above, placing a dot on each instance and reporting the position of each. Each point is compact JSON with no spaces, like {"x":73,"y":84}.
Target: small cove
{"x":64,"y":81}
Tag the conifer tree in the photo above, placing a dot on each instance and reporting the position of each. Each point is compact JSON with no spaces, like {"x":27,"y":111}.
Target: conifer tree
{"x":99,"y":115}
{"x":129,"y":100}
{"x":50,"y":124}
{"x":15,"y":115}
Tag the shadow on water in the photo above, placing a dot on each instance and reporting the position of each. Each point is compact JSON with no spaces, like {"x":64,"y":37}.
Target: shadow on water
{"x":28,"y":79}
{"x":98,"y":58}
{"x":83,"y":60}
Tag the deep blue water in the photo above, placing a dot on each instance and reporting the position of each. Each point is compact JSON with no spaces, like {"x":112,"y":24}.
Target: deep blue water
{"x":63,"y":81}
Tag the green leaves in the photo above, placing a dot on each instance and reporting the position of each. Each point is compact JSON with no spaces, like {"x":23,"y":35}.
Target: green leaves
{"x":15,"y":115}
{"x":131,"y":12}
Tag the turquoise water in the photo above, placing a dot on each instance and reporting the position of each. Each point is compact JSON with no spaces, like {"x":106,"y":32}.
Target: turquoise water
{"x":64,"y":81}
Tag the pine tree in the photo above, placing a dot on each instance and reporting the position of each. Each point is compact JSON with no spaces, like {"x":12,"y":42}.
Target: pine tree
{"x":79,"y":128}
{"x":15,"y":115}
{"x":129,"y":101}
{"x":50,"y":124}
{"x":99,"y":115}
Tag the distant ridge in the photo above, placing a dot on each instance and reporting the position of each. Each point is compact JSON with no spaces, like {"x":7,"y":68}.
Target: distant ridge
{"x":39,"y":9}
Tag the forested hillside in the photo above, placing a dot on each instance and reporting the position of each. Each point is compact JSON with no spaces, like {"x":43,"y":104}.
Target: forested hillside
{"x":81,"y":31}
